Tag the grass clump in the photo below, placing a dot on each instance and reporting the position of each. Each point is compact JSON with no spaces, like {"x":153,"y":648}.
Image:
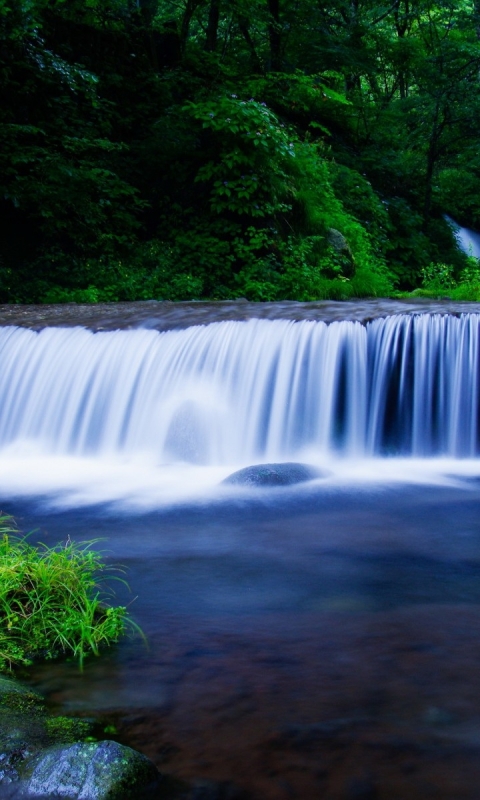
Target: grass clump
{"x":54,"y":601}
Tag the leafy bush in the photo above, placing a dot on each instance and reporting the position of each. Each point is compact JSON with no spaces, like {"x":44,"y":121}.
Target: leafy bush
{"x":408,"y":244}
{"x":53,"y":601}
{"x":439,"y":281}
{"x":363,"y":203}
{"x":249,"y":149}
{"x":438,"y":277}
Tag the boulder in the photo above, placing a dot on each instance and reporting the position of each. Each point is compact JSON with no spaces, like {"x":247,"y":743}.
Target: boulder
{"x":343,"y":252}
{"x":91,"y":771}
{"x":286,"y":474}
{"x":40,"y":757}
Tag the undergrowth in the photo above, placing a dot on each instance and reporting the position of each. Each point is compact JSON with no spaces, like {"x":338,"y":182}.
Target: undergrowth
{"x":54,"y":600}
{"x":440,"y":282}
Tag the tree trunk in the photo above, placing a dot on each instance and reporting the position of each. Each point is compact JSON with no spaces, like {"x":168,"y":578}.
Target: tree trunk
{"x":212,"y":27}
{"x":274,"y":35}
{"x":476,"y":14}
{"x":432,"y":156}
{"x":256,"y":63}
{"x":190,"y":9}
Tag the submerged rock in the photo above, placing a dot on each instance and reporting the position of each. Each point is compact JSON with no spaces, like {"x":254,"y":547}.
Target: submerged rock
{"x":92,"y":771}
{"x":286,"y":474}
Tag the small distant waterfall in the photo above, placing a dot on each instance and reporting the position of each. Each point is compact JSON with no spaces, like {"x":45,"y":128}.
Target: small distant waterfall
{"x":239,"y":392}
{"x":468,"y":240}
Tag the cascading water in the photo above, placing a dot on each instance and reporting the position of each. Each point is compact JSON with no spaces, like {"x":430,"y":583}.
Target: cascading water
{"x":233,"y":393}
{"x":468,"y":240}
{"x":237,"y":391}
{"x":318,"y":588}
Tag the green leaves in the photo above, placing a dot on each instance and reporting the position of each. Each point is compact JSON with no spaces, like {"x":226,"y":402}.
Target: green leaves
{"x":136,"y":157}
{"x":248,"y":174}
{"x":66,"y":188}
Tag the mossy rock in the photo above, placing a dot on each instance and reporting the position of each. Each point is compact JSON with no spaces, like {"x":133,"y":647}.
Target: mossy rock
{"x":15,"y":697}
{"x":22,"y":727}
{"x":343,"y":253}
{"x":41,"y":755}
{"x":25,"y":718}
{"x":65,"y":730}
{"x":91,"y":771}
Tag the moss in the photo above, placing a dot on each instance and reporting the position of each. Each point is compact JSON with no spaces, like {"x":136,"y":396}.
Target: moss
{"x":66,"y":730}
{"x":16,"y":698}
{"x":23,"y":704}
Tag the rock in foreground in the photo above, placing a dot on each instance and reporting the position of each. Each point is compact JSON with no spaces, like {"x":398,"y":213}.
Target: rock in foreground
{"x":287,"y":474}
{"x":92,"y":771}
{"x":39,"y":757}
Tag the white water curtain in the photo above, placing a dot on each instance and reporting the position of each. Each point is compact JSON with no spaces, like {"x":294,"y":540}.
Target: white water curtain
{"x":234,"y":392}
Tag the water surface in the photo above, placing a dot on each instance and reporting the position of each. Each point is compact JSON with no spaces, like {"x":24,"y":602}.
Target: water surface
{"x":318,"y":642}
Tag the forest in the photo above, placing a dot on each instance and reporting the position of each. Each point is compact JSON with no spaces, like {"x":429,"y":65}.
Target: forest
{"x":217,"y":149}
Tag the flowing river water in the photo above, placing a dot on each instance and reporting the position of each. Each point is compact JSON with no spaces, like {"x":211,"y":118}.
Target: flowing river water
{"x":314,"y":641}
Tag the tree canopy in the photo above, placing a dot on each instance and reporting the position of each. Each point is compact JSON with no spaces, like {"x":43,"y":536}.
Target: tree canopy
{"x":267,"y":149}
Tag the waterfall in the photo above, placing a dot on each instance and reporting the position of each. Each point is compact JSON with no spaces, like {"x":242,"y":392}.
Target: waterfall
{"x":241,"y":392}
{"x":468,"y":240}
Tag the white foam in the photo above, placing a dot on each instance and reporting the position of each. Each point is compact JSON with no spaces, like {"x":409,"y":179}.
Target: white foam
{"x":140,"y":484}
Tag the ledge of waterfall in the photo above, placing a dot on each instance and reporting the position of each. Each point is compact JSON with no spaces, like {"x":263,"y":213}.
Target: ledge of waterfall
{"x":165,"y":315}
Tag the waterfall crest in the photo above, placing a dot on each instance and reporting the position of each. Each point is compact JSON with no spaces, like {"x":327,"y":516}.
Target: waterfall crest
{"x":240,"y":392}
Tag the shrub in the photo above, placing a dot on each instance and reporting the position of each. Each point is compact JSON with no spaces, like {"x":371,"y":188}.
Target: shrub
{"x":438,"y":277}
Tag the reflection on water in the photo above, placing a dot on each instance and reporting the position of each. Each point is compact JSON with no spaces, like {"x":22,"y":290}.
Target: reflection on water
{"x":319,"y":644}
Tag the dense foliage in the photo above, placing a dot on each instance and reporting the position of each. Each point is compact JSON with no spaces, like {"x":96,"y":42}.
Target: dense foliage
{"x":223,"y":148}
{"x":53,"y":601}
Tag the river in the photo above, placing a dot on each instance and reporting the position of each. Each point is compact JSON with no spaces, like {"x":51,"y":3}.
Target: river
{"x":313,"y":641}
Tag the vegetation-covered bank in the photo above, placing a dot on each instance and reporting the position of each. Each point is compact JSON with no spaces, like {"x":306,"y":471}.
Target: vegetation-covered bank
{"x":53,"y":601}
{"x":265,"y":149}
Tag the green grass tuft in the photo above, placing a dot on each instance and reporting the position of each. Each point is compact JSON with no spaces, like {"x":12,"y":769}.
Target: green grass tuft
{"x":53,"y":601}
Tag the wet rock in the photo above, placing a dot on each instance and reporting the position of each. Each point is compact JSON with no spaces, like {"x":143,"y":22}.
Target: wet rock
{"x":91,"y":771}
{"x":286,"y":474}
{"x":22,"y":728}
{"x":18,"y":699}
{"x":40,"y":757}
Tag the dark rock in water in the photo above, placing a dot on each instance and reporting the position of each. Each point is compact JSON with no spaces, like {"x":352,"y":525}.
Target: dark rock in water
{"x":91,"y":771}
{"x":275,"y":474}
